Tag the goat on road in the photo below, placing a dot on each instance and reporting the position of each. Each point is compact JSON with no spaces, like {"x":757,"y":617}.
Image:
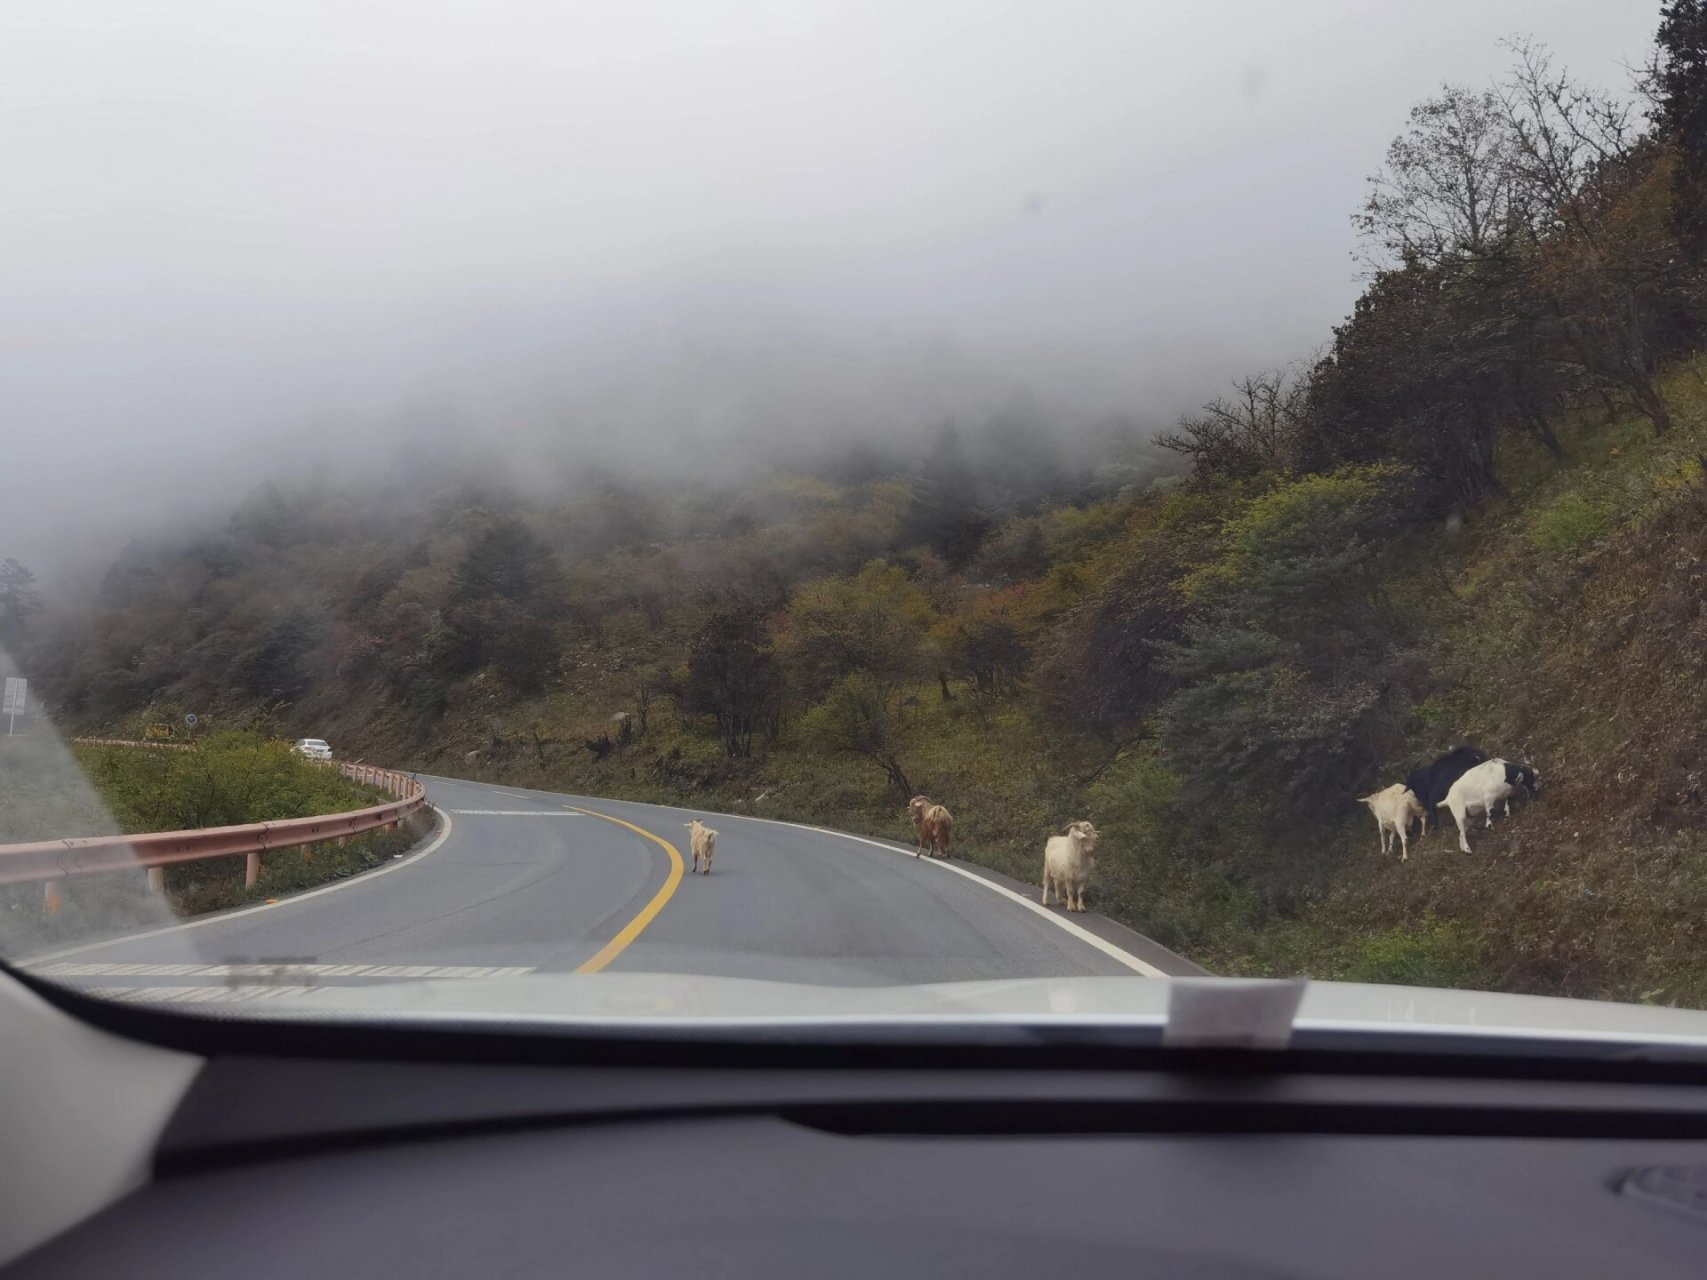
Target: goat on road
{"x":1067,"y":865}
{"x":702,"y":840}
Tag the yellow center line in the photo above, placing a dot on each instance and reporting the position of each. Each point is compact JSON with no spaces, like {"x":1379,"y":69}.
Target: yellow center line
{"x":630,"y":931}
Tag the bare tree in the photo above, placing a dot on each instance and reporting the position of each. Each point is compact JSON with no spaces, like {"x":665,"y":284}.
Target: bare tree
{"x":1255,"y":429}
{"x":1596,"y":274}
{"x":1451,"y":187}
{"x":1569,"y":142}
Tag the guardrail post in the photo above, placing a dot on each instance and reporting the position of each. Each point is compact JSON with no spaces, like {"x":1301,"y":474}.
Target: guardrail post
{"x":157,"y":879}
{"x":251,"y":870}
{"x":50,"y":897}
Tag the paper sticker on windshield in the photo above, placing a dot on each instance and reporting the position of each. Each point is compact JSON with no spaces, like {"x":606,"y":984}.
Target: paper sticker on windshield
{"x":1229,"y":1014}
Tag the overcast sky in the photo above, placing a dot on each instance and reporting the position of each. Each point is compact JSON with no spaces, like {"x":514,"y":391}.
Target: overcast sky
{"x":235,"y":235}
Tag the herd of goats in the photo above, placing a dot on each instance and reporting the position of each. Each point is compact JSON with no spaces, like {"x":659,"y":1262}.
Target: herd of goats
{"x":1465,"y":781}
{"x":1066,"y":859}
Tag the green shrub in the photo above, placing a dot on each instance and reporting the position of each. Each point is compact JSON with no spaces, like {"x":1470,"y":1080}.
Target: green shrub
{"x":1569,"y":522}
{"x":1137,"y":799}
{"x":1432,"y":953}
{"x":1433,"y":713}
{"x":230,"y":779}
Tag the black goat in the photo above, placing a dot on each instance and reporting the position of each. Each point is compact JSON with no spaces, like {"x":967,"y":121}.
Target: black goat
{"x":1431,"y":782}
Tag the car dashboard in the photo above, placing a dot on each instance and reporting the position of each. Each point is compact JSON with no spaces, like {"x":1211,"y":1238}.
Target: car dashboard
{"x":435,"y":1154}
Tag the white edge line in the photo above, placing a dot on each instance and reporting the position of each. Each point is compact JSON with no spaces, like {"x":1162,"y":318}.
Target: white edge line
{"x":1082,"y":934}
{"x":364,"y":878}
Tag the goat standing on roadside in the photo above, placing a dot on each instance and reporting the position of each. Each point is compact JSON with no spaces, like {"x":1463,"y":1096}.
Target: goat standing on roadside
{"x":935,"y":825}
{"x":1067,"y":865}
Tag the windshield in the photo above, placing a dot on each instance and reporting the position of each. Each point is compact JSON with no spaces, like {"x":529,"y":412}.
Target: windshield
{"x":819,"y":511}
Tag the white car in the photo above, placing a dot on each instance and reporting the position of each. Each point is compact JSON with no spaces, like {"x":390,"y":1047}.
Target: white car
{"x":314,"y":748}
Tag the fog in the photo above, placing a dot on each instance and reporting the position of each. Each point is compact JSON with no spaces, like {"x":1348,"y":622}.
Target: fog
{"x":242,"y":238}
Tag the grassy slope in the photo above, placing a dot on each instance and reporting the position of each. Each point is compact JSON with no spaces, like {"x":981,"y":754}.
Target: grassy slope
{"x":1574,"y":636}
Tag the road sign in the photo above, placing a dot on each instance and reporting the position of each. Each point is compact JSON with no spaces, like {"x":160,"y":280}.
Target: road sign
{"x":17,"y":691}
{"x":158,"y":731}
{"x":190,"y":720}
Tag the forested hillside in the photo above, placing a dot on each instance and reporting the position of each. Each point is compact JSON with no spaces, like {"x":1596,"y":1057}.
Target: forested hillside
{"x":1479,"y":515}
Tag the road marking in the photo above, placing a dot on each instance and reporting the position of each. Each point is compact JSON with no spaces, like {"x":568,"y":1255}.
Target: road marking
{"x":364,"y":878}
{"x":630,"y":931}
{"x":194,"y":995}
{"x":515,"y":813}
{"x":511,"y":795}
{"x":275,"y":971}
{"x":1078,"y":931}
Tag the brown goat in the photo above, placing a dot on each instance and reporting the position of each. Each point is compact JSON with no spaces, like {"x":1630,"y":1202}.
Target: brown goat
{"x":935,"y":825}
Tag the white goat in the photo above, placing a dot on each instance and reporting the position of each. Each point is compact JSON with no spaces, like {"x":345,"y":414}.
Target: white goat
{"x":1482,"y":788}
{"x":703,"y":841}
{"x":1067,"y":865}
{"x":1394,"y":807}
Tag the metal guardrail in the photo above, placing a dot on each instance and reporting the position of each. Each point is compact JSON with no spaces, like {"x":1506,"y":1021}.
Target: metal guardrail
{"x":51,"y":861}
{"x":127,"y":742}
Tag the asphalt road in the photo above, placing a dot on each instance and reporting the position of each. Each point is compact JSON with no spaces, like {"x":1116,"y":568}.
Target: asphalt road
{"x":524,"y":881}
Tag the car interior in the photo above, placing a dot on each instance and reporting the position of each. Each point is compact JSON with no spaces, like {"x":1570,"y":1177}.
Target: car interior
{"x":186,"y":1145}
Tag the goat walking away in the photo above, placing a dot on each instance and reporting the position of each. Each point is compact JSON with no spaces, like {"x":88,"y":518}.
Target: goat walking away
{"x":703,"y":841}
{"x":1067,"y":865}
{"x":935,"y":825}
{"x":1394,"y":807}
